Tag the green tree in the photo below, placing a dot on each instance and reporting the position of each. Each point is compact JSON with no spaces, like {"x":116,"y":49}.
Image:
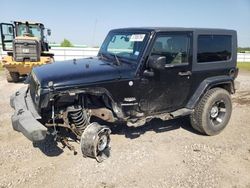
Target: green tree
{"x":66,"y":43}
{"x":243,"y":49}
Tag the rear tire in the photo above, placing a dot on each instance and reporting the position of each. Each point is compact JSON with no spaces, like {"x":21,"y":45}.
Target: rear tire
{"x":213,"y":112}
{"x":12,"y":76}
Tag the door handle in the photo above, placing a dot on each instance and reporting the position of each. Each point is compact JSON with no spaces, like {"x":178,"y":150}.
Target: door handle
{"x":187,"y":73}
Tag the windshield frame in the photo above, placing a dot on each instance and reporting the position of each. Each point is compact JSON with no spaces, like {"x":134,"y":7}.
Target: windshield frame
{"x":103,"y":49}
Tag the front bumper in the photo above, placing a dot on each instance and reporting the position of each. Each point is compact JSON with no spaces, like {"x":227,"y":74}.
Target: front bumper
{"x":25,"y":118}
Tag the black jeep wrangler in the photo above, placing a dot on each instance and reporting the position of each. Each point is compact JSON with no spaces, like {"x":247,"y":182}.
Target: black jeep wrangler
{"x":139,"y":74}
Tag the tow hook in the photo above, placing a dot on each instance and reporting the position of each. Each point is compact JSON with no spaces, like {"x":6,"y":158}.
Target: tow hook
{"x":95,"y":141}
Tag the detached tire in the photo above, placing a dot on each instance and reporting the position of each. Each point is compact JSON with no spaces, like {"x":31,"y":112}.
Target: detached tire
{"x":12,"y":76}
{"x":213,"y":112}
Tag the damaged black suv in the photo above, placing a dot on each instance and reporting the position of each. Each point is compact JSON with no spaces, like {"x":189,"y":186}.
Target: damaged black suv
{"x":139,"y":74}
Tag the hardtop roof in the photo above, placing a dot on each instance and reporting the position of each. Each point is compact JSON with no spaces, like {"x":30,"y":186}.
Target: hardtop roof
{"x":29,"y":22}
{"x":159,"y":29}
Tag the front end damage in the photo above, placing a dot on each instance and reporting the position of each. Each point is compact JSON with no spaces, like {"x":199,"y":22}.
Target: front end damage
{"x":72,"y":112}
{"x":25,"y":119}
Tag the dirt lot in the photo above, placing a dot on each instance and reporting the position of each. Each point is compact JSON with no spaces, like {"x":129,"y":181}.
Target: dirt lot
{"x":159,"y":154}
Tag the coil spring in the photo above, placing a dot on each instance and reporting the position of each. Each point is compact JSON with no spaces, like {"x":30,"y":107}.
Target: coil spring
{"x":79,"y":118}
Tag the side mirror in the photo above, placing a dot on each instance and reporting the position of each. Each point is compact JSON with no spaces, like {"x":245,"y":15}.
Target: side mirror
{"x":157,"y":62}
{"x":48,"y":32}
{"x":148,"y":73}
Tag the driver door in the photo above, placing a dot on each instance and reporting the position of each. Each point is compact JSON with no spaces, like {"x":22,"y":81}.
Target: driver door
{"x":7,"y":35}
{"x":168,"y":89}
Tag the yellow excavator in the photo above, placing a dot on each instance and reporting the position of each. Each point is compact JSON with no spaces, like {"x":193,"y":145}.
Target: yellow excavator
{"x":26,"y":47}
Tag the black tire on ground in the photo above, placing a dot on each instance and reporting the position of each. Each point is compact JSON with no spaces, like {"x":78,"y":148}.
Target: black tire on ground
{"x":213,"y":112}
{"x":12,"y":76}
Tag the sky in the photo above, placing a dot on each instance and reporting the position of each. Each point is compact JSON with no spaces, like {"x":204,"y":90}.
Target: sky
{"x":88,"y":21}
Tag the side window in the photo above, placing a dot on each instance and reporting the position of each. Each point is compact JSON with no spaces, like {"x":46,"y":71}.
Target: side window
{"x":213,"y":48}
{"x":175,"y":47}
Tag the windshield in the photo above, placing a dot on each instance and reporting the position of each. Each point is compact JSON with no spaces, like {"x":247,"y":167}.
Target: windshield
{"x":124,"y":45}
{"x":34,"y":30}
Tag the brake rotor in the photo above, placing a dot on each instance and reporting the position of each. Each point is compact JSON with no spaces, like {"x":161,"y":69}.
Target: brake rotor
{"x":95,"y":141}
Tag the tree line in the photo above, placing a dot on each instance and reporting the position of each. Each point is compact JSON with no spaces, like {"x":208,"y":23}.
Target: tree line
{"x":246,"y":49}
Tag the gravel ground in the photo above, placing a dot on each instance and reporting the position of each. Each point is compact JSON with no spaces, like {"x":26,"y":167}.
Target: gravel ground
{"x":159,"y":154}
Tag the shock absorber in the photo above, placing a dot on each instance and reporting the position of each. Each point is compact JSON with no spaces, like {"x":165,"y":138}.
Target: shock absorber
{"x":79,"y":117}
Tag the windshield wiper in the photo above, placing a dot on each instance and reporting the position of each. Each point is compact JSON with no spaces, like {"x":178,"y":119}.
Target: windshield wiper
{"x":103,"y":56}
{"x":125,"y":60}
{"x":117,"y":60}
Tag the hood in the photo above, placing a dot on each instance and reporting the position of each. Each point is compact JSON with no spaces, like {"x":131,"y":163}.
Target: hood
{"x":81,"y":72}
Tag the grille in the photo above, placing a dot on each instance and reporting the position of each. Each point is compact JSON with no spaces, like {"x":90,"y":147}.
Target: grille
{"x":26,"y":50}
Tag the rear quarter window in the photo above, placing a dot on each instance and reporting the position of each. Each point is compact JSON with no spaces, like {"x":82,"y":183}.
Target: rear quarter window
{"x":212,"y":48}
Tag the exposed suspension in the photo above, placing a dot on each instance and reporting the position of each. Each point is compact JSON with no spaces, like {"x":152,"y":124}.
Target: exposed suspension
{"x":78,"y":117}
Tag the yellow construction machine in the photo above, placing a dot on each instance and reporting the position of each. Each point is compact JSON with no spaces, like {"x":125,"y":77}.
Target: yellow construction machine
{"x":26,"y":46}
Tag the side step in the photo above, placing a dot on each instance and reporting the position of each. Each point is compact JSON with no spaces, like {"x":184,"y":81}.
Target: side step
{"x":181,"y":112}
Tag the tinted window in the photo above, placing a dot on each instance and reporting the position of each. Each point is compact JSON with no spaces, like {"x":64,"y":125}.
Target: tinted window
{"x":214,"y":48}
{"x":174,"y":47}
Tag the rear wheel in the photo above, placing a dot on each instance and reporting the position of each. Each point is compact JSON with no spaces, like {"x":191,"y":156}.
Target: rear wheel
{"x":213,"y":112}
{"x":12,"y":76}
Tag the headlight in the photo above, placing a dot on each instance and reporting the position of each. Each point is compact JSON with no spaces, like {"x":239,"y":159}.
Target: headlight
{"x":37,"y":86}
{"x":37,"y":93}
{"x":33,"y":75}
{"x":38,"y":90}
